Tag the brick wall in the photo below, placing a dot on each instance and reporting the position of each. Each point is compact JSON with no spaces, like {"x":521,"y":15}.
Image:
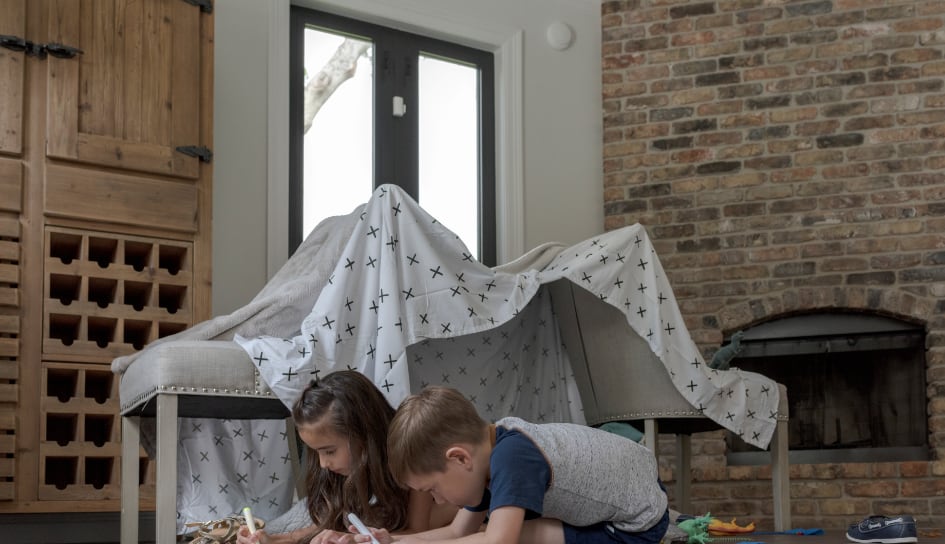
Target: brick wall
{"x":788,"y":156}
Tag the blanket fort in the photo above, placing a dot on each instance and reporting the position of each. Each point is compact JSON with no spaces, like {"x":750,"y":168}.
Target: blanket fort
{"x":407,"y":305}
{"x":389,"y":291}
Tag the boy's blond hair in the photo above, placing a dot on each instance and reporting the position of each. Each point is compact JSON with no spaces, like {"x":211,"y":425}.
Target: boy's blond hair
{"x":425,"y":426}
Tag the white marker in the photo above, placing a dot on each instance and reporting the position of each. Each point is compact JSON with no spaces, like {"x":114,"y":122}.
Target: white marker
{"x":250,"y":522}
{"x":361,"y":527}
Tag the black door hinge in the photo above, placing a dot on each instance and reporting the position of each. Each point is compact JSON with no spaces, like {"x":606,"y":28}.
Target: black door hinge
{"x":201,"y":152}
{"x":61,"y":51}
{"x":205,"y":6}
{"x":58,"y":50}
{"x":13,"y":43}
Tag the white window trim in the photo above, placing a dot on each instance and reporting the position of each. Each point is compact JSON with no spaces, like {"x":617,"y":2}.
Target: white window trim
{"x":508,"y":46}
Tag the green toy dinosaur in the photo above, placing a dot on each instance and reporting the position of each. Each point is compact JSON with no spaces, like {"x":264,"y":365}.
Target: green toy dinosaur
{"x":697,"y":529}
{"x":725,"y":354}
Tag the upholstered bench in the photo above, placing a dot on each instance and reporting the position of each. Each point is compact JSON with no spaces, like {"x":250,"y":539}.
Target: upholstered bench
{"x":184,"y":378}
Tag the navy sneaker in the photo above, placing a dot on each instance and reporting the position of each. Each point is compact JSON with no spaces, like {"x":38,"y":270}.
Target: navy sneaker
{"x":882,"y":529}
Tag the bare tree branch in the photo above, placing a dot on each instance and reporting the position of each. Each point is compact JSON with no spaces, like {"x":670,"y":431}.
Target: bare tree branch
{"x":340,"y":68}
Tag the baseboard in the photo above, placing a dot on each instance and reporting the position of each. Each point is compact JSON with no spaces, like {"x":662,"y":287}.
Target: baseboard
{"x":71,"y":528}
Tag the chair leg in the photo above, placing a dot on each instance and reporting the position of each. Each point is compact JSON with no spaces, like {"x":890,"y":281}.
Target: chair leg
{"x":130,"y":443}
{"x":650,"y":433}
{"x":780,"y":477}
{"x":683,"y":473}
{"x":294,"y":454}
{"x":165,"y":522}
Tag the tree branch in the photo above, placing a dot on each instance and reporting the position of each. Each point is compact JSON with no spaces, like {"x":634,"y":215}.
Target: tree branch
{"x":340,"y":68}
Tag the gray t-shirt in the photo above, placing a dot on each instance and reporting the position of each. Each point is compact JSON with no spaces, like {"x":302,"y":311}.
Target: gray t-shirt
{"x":595,"y":475}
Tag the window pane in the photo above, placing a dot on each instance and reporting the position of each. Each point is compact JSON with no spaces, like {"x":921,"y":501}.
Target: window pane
{"x":338,"y":146}
{"x":449,"y":146}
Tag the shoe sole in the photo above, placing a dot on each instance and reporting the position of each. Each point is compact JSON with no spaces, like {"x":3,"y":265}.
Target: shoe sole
{"x":900,"y":540}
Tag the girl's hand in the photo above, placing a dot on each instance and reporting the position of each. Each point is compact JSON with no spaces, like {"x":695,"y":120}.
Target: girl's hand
{"x":381,"y":535}
{"x":244,"y":537}
{"x":333,"y":537}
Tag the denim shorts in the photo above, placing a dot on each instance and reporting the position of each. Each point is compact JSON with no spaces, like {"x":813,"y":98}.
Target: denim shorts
{"x":605,"y":533}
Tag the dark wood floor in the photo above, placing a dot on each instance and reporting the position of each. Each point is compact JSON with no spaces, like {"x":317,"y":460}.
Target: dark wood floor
{"x":830,"y":536}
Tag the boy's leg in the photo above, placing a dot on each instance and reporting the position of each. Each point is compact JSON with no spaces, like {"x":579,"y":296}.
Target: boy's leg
{"x":542,"y":531}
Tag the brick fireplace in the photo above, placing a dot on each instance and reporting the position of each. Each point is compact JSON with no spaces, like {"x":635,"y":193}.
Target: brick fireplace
{"x":788,"y":159}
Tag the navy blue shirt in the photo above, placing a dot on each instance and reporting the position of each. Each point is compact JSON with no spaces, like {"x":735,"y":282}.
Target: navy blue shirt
{"x":519,"y":475}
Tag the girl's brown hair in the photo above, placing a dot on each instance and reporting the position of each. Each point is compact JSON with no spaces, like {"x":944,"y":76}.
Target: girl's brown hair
{"x":351,"y":404}
{"x":426,"y":425}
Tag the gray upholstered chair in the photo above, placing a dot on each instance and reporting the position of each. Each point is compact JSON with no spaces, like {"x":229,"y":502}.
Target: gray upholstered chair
{"x":183,"y":378}
{"x":620,"y":379}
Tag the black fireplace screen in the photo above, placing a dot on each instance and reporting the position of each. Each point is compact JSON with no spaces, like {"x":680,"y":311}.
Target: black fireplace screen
{"x":856,"y":386}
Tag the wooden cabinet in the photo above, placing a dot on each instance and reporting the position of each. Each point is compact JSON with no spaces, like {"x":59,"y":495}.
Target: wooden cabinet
{"x":105,"y":203}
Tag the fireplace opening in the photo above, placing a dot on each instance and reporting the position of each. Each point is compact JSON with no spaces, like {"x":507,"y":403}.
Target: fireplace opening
{"x":855,"y":383}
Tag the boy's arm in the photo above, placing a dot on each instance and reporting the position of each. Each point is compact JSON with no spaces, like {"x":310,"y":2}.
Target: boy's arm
{"x":419,"y":507}
{"x":504,"y":527}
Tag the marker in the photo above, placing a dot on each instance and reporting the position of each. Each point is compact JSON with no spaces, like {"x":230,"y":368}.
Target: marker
{"x":361,"y":527}
{"x":250,"y":522}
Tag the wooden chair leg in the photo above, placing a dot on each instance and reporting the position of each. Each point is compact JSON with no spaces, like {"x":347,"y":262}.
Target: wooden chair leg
{"x":130,"y":443}
{"x":165,"y":515}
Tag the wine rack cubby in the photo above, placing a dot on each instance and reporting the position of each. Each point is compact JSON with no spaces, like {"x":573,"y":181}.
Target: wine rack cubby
{"x":80,"y":433}
{"x":10,"y":271}
{"x":108,"y":295}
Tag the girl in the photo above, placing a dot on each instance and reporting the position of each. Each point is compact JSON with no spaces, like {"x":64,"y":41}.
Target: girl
{"x":343,"y":420}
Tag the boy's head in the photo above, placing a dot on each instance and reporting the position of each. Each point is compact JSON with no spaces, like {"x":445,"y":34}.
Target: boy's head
{"x":438,"y":443}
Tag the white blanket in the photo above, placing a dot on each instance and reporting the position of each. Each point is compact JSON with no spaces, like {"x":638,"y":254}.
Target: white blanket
{"x":407,"y":305}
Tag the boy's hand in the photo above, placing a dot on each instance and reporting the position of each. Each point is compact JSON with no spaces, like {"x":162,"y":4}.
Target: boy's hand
{"x":381,"y":535}
{"x":333,"y":537}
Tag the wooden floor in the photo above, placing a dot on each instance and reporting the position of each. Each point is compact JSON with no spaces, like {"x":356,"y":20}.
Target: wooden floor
{"x":830,"y":536}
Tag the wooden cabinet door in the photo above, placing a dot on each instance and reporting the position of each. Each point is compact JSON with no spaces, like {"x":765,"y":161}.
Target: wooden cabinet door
{"x":12,"y":62}
{"x":132,"y":96}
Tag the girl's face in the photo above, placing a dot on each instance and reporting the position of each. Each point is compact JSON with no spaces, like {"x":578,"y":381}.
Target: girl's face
{"x":333,"y":449}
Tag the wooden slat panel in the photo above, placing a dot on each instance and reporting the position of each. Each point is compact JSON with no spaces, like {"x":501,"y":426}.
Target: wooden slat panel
{"x":157,"y":63}
{"x":62,"y":122}
{"x":11,"y":171}
{"x":7,"y":419}
{"x":9,"y":226}
{"x":142,"y":156}
{"x":9,"y":273}
{"x":9,"y":370}
{"x":117,"y":198}
{"x":9,"y":347}
{"x":9,"y":251}
{"x":132,"y":51}
{"x":99,"y":72}
{"x":125,"y":103}
{"x":186,"y":63}
{"x":79,"y":448}
{"x":7,"y":467}
{"x":12,"y":63}
{"x":7,"y":443}
{"x":9,"y":296}
{"x":9,"y":392}
{"x":9,"y":324}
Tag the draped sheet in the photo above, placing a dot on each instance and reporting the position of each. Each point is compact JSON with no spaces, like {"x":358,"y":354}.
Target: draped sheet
{"x":408,"y":305}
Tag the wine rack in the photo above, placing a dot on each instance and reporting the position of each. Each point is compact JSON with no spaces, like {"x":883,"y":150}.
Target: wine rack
{"x":108,"y":295}
{"x":80,"y":449}
{"x":9,"y":350}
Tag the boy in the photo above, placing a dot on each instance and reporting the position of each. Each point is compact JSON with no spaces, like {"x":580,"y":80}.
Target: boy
{"x":549,"y":483}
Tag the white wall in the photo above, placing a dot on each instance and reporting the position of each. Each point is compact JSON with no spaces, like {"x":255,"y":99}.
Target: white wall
{"x":550,"y":154}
